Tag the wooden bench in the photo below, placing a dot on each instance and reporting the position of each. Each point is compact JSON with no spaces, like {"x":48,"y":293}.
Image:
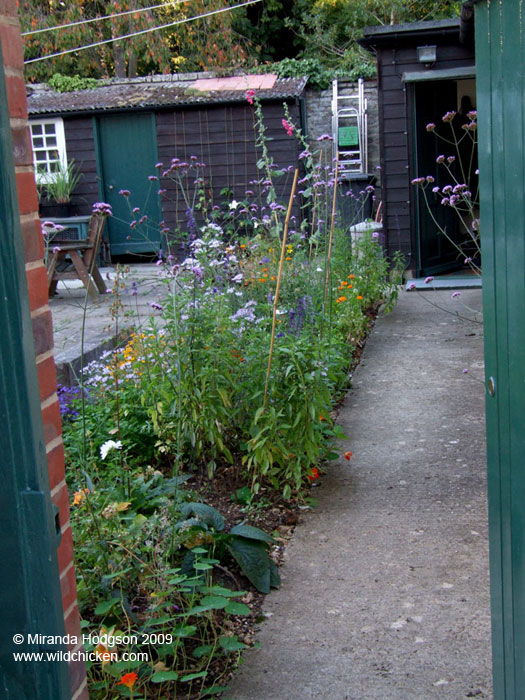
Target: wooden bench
{"x":83,"y":254}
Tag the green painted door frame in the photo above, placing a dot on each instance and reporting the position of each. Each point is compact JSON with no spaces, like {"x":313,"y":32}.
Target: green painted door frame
{"x":500,"y":58}
{"x":29,"y":584}
{"x":126,"y":157}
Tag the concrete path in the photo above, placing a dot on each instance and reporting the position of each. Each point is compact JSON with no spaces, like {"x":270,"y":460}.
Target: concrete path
{"x":385,"y":587}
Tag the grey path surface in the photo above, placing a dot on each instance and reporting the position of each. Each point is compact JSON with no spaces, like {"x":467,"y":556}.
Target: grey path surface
{"x":69,"y":308}
{"x":385,"y":592}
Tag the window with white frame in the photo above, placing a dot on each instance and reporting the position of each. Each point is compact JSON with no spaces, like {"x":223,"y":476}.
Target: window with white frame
{"x":49,"y":147}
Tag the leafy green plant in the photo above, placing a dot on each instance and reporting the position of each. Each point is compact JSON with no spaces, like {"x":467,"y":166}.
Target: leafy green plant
{"x":60,"y":184}
{"x":68,"y":83}
{"x":248,"y":545}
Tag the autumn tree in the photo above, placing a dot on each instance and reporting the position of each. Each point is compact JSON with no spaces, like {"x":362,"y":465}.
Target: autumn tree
{"x":185,"y":45}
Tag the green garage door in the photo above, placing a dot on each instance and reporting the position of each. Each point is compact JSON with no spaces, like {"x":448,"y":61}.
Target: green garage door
{"x":127,"y":154}
{"x":500,"y":58}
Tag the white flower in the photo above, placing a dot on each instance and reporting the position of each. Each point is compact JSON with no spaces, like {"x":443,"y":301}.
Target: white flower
{"x":109,"y":445}
{"x":238,"y":278}
{"x":234,"y":204}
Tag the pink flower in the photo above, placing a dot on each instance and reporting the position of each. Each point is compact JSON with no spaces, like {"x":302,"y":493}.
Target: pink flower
{"x":287,"y":126}
{"x":250,"y":94}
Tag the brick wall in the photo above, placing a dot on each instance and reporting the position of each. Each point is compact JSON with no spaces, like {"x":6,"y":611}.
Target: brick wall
{"x":319,"y":117}
{"x":41,"y":319}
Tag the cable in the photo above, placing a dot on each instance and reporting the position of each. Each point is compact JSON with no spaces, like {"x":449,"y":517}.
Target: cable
{"x":143,"y":31}
{"x":99,"y":19}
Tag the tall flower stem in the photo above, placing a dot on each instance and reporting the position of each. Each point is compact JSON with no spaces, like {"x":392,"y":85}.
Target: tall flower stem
{"x":278,"y":284}
{"x":328,"y":266}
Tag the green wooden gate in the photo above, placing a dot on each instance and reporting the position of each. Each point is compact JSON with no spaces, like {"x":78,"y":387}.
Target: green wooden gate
{"x":500,"y":59}
{"x":29,"y":584}
{"x":127,"y":154}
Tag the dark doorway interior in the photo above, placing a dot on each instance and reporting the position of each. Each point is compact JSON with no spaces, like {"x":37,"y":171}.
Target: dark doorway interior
{"x":438,"y":252}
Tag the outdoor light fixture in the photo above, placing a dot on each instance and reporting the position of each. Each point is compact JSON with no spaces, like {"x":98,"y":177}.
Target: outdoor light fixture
{"x":427,"y":55}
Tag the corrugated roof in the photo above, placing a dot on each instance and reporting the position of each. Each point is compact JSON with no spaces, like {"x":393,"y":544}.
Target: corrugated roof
{"x":158,"y":91}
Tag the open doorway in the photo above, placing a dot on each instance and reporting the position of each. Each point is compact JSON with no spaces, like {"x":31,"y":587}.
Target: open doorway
{"x":436,"y":252}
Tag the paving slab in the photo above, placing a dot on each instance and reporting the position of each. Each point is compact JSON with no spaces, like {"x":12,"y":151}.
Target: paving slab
{"x":385,"y":587}
{"x":88,"y":327}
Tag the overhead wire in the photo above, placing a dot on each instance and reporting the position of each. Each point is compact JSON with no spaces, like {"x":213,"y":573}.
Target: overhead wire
{"x":103,"y":17}
{"x":143,"y":31}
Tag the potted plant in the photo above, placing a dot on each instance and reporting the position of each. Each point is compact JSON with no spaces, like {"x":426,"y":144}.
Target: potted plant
{"x":59,"y":189}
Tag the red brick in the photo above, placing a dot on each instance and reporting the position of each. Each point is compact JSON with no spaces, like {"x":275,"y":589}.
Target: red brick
{"x":16,"y":96}
{"x":27,"y":196}
{"x":52,"y":422}
{"x":56,"y":466}
{"x":47,"y":378}
{"x":68,"y":585}
{"x":61,"y":499}
{"x":77,"y":673}
{"x":37,"y":287}
{"x":65,"y":552}
{"x":73,"y":623}
{"x":11,"y":43}
{"x":32,"y":240}
{"x":9,"y":7}
{"x":43,"y":332}
{"x":22,"y":148}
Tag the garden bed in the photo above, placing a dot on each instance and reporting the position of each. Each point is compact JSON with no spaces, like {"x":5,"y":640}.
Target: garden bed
{"x":192,"y":449}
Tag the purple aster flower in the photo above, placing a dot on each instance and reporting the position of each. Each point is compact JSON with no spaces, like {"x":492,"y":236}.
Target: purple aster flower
{"x":124,"y":193}
{"x":429,"y":280}
{"x":155,"y":305}
{"x":455,"y":295}
{"x":411,"y":286}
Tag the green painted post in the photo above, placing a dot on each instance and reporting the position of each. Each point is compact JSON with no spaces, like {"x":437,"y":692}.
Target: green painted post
{"x":500,"y":60}
{"x":29,"y":584}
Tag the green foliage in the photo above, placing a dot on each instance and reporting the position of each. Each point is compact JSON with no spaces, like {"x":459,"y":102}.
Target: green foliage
{"x":248,"y":545}
{"x":60,"y":185}
{"x":233,"y":377}
{"x":68,"y":83}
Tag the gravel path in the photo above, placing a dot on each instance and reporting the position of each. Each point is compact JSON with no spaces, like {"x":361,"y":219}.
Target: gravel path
{"x":385,"y":591}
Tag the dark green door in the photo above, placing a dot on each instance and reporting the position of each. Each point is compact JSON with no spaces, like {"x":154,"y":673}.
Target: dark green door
{"x":436,"y":252}
{"x":500,"y":60}
{"x":127,"y":154}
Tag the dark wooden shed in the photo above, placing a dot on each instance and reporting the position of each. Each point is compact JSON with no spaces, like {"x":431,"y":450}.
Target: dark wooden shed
{"x":121,"y":131}
{"x":415,"y":89}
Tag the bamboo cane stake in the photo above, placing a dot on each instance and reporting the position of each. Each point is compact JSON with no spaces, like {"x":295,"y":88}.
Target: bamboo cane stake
{"x":278,"y":284}
{"x":330,"y":242}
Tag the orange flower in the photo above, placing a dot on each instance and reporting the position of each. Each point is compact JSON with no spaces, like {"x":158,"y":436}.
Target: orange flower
{"x":262,"y":279}
{"x":348,"y":455}
{"x":242,"y":245}
{"x":351,"y":277}
{"x":288,"y":258}
{"x":129,"y":680}
{"x":340,"y":299}
{"x":359,"y":296}
{"x":80,"y":496}
{"x":103,"y":654}
{"x":272,"y":278}
{"x":314,"y":475}
{"x":322,"y":418}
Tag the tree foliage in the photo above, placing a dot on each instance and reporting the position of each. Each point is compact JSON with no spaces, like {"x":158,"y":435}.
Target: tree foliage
{"x":273,"y":30}
{"x":206,"y":42}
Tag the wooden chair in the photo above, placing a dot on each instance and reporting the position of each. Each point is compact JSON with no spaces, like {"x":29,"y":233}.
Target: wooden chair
{"x":83,"y":254}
